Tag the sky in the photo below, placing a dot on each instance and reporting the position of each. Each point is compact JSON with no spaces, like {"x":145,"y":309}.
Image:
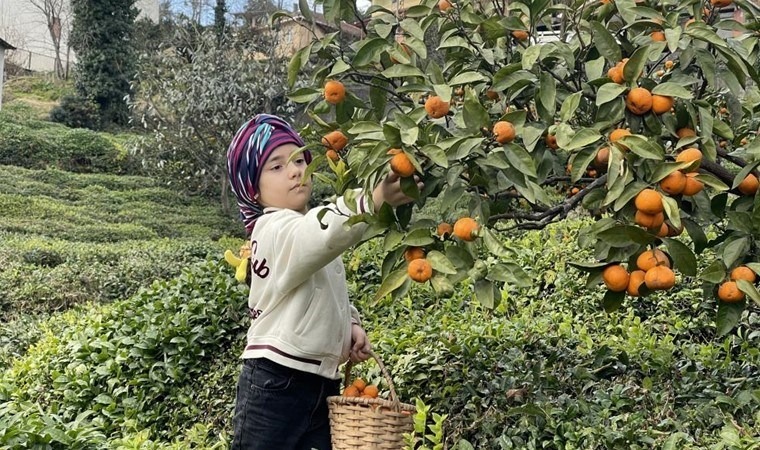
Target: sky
{"x":237,"y":5}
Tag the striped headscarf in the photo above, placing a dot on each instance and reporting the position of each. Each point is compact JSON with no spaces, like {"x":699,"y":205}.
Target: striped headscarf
{"x":249,"y":150}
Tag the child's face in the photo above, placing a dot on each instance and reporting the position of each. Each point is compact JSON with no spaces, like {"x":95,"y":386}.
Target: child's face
{"x":280,"y":181}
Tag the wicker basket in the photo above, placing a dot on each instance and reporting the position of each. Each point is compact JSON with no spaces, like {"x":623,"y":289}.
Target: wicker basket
{"x":369,"y":423}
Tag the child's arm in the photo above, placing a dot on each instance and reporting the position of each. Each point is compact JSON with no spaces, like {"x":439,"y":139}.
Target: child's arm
{"x":306,"y":243}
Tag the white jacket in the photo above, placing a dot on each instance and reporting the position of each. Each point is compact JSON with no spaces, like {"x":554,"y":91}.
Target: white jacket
{"x":301,"y":314}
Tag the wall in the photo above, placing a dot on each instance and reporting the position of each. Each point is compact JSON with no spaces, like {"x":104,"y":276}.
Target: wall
{"x":26,"y":26}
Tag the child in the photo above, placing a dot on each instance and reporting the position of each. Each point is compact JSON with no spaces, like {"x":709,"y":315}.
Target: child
{"x":302,"y":323}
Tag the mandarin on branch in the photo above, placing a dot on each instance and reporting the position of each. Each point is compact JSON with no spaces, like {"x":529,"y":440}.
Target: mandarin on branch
{"x":420,"y":270}
{"x":649,"y":201}
{"x":615,"y":277}
{"x":402,"y":165}
{"x":466,"y":228}
{"x":335,"y":140}
{"x":335,"y":92}
{"x":436,"y":107}
{"x":504,"y":132}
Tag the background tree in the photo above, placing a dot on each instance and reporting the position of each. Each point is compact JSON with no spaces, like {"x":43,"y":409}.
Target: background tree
{"x":56,"y":14}
{"x":542,"y":107}
{"x":220,"y":10}
{"x":102,"y":37}
{"x":195,"y":93}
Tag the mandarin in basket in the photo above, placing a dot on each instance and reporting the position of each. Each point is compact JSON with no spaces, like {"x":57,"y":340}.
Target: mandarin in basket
{"x":351,"y":391}
{"x":371,"y":390}
{"x":359,"y":384}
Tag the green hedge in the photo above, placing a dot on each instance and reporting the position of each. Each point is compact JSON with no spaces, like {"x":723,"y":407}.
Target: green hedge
{"x":104,"y":208}
{"x":37,"y":144}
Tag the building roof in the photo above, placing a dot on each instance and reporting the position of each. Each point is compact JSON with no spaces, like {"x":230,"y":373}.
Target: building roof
{"x":6,"y":45}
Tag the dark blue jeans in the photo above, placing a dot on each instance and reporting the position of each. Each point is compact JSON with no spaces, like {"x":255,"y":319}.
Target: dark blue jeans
{"x":278,"y":408}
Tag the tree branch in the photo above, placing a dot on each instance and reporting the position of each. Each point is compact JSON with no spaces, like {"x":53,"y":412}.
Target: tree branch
{"x":537,"y":221}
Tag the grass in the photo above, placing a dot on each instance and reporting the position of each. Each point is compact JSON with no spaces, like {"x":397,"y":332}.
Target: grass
{"x":37,"y":95}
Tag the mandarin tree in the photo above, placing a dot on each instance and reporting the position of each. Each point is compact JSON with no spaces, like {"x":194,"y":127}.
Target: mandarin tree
{"x":638,"y":81}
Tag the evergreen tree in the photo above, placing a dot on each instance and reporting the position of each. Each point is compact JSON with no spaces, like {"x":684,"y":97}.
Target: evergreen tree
{"x":219,"y":22}
{"x":102,"y":36}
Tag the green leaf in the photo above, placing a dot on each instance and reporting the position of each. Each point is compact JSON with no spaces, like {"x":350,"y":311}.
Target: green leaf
{"x":697,"y":235}
{"x":582,"y":138}
{"x":608,"y":92}
{"x":547,"y":95}
{"x":605,"y":42}
{"x":303,"y":7}
{"x":520,"y":159}
{"x":570,"y":105}
{"x":401,"y":71}
{"x":475,"y":115}
{"x":297,"y":62}
{"x":440,"y":262}
{"x":672,"y":210}
{"x":413,"y":28}
{"x":383,"y":29}
{"x":393,"y":281}
{"x":735,"y":250}
{"x":338,"y":68}
{"x":467,"y":78}
{"x":365,"y":127}
{"x":594,"y":68}
{"x":643,"y":147}
{"x":436,"y":155}
{"x":672,"y":90}
{"x":672,"y":36}
{"x":409,"y":129}
{"x":392,"y":240}
{"x":612,"y":301}
{"x":636,"y":64}
{"x":749,"y":289}
{"x":493,"y":243}
{"x":714,"y":273}
{"x":511,"y":273}
{"x":304,"y":95}
{"x":442,"y":286}
{"x":723,"y":130}
{"x":666,"y":168}
{"x":705,"y":33}
{"x":683,"y":258}
{"x":728,"y":316}
{"x":418,"y":238}
{"x":625,"y":235}
{"x":103,"y":399}
{"x":484,"y":293}
{"x":530,"y":56}
{"x":369,"y":51}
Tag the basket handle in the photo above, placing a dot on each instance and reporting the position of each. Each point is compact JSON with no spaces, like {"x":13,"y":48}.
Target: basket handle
{"x":386,"y":374}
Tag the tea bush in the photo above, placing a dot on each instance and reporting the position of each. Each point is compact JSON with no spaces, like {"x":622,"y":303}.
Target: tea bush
{"x":103,"y":208}
{"x":36,"y":144}
{"x":547,"y":368}
{"x":134,"y":364}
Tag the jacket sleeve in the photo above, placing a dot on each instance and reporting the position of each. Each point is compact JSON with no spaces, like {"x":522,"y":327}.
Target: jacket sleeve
{"x":306,"y":243}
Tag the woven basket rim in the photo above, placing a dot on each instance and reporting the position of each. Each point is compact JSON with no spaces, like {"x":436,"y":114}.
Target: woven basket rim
{"x":341,"y":400}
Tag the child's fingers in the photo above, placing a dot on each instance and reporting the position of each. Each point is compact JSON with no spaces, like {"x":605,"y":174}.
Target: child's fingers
{"x":392,"y":177}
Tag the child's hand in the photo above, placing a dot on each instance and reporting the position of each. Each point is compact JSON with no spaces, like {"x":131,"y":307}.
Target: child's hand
{"x":360,"y":345}
{"x":389,"y":191}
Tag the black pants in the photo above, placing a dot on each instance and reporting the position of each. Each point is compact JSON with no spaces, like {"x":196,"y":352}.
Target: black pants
{"x":278,"y":408}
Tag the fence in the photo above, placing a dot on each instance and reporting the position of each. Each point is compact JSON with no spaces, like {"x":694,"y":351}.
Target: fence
{"x":25,"y":60}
